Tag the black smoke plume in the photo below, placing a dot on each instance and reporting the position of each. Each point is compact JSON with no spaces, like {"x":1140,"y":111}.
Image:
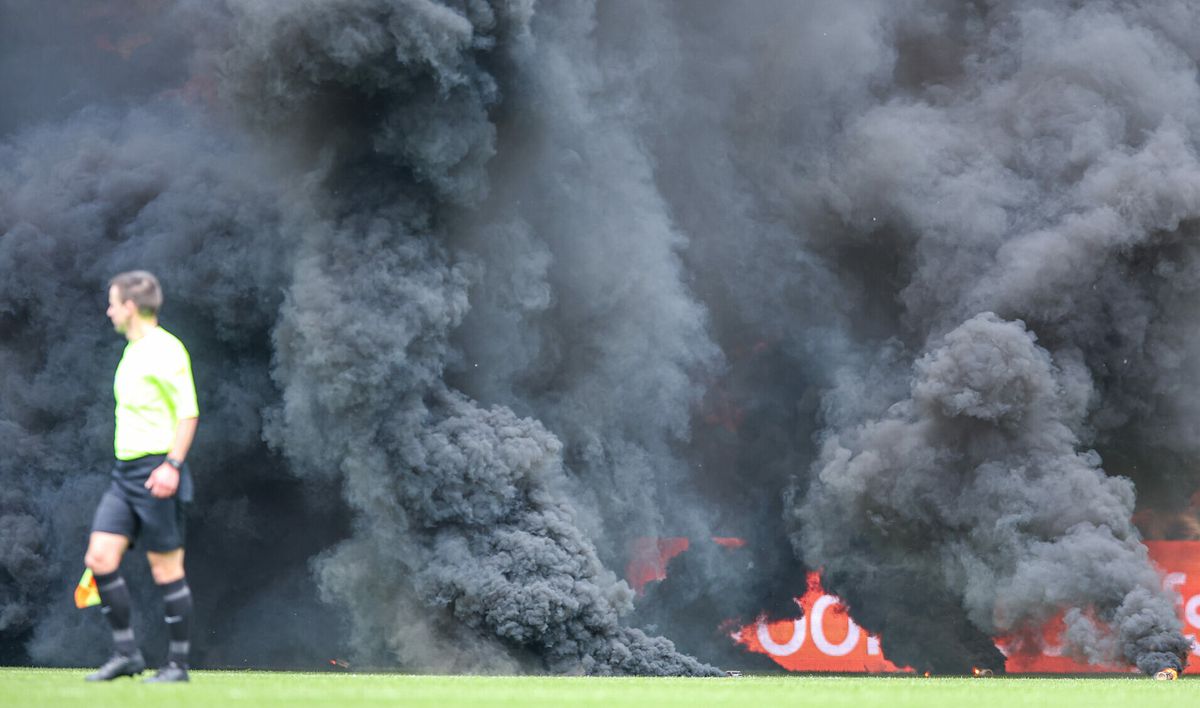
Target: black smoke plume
{"x":480,"y":293}
{"x":862,"y":184}
{"x":295,"y":197}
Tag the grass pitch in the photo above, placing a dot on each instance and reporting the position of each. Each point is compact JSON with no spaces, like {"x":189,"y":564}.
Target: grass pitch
{"x":62,"y":687}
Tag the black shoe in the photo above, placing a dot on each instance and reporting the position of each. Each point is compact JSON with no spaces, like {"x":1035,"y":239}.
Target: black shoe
{"x":119,"y":665}
{"x":171,"y":673}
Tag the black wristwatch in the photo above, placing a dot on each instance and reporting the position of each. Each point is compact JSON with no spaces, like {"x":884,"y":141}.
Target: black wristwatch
{"x":177,"y":464}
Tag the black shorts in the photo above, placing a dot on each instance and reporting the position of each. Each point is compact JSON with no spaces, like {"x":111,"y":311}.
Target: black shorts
{"x":127,"y":508}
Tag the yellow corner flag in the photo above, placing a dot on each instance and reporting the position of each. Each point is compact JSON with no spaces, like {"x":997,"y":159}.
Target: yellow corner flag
{"x":86,"y":592}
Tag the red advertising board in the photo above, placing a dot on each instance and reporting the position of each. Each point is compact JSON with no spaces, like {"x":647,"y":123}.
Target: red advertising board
{"x":824,"y":638}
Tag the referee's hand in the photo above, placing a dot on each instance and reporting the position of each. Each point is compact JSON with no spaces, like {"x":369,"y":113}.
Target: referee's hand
{"x":163,"y":481}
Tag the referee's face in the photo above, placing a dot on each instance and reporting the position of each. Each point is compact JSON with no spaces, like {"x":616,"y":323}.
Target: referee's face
{"x":120,"y":312}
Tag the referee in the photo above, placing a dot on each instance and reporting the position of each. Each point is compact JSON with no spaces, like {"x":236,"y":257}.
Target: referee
{"x":156,"y":418}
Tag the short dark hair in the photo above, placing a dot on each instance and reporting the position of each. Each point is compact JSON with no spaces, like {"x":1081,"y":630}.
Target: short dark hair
{"x":142,"y":288}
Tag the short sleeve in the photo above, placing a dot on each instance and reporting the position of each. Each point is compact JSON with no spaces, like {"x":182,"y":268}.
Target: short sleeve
{"x":174,"y":376}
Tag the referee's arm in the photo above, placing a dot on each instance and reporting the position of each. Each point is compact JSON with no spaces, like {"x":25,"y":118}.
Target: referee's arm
{"x":175,"y":381}
{"x":185,"y":432}
{"x":164,"y":480}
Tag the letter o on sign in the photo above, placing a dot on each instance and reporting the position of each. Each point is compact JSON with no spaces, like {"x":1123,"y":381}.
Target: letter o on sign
{"x":817,"y":617}
{"x":1192,"y":611}
{"x":773,"y":647}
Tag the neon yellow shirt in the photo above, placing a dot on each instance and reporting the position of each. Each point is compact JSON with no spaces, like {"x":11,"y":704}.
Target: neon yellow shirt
{"x":154,"y":391}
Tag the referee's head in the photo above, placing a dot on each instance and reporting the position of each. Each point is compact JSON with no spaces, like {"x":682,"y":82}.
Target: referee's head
{"x":135,"y":293}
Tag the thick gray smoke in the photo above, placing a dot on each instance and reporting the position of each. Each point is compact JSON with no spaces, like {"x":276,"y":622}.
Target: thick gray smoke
{"x":973,"y":478}
{"x":1048,"y":181}
{"x":371,"y":126}
{"x":481,"y":293}
{"x":862,"y":183}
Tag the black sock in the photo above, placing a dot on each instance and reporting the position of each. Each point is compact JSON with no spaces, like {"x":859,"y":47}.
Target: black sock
{"x":177,"y":606}
{"x":117,"y":607}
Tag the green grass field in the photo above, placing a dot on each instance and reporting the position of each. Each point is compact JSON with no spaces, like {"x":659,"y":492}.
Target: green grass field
{"x":59,"y":687}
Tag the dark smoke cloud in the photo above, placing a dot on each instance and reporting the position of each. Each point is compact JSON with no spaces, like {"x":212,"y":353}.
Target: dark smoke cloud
{"x":889,"y":173}
{"x":972,"y":484}
{"x":99,"y":193}
{"x":327,"y":301}
{"x":460,"y":506}
{"x":480,"y":293}
{"x":582,"y":316}
{"x":1049,"y":182}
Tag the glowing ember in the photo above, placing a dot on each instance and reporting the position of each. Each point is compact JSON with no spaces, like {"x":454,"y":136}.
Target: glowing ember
{"x":729,"y":541}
